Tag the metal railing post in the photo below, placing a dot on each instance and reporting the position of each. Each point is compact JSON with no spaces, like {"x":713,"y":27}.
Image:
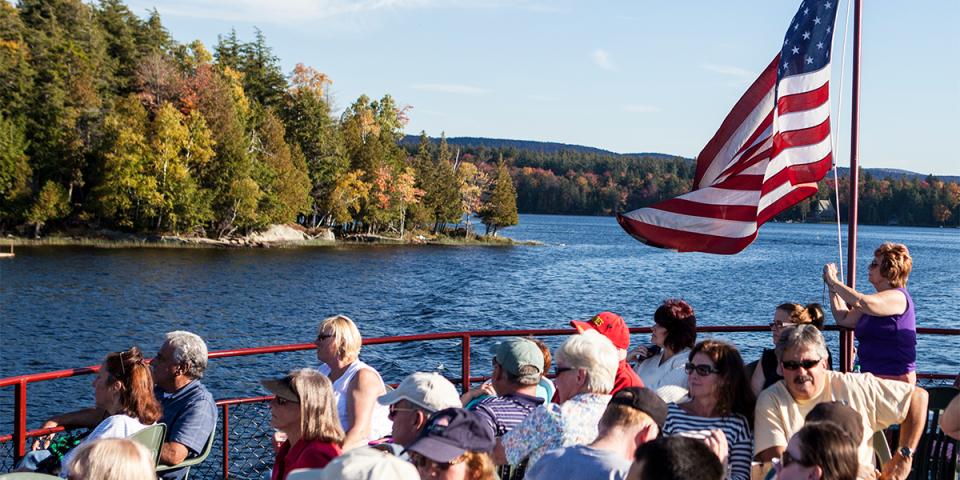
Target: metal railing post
{"x":226,"y":441}
{"x":20,"y":420}
{"x":465,"y":363}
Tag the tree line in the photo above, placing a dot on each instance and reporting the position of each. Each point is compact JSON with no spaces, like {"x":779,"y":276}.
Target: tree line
{"x":592,"y":183}
{"x":107,"y":121}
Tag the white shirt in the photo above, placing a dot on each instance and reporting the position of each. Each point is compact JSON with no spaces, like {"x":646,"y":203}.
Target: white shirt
{"x":380,"y":424}
{"x":668,"y":380}
{"x":114,"y":426}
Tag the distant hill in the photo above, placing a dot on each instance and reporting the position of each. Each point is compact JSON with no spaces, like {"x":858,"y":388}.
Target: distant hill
{"x":554,"y":147}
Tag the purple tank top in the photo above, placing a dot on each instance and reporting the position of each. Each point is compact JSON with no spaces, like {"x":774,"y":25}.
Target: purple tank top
{"x":888,"y":345}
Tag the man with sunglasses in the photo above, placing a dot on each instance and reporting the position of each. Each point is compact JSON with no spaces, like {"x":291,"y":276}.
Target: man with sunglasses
{"x":413,"y":401}
{"x":781,"y":408}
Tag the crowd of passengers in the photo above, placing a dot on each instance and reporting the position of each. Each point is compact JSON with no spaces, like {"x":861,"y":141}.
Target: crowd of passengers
{"x":688,"y":410}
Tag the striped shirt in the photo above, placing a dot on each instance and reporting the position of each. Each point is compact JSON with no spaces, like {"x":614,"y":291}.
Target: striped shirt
{"x":504,"y":413}
{"x":735,"y":427}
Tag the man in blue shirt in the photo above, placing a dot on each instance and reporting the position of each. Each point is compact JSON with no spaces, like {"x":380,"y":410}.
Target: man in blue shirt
{"x":188,"y":407}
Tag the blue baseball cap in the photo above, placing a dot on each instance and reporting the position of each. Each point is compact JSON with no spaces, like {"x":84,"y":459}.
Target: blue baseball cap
{"x":450,"y":433}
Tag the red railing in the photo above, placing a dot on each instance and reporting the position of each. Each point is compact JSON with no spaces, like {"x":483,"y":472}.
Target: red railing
{"x":21,"y":434}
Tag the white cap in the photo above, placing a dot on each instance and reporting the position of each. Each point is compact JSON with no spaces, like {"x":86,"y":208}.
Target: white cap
{"x":427,"y":390}
{"x":365,"y":463}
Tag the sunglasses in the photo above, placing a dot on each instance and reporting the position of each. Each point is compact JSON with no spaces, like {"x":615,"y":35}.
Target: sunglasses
{"x":873,"y":264}
{"x":560,"y":370}
{"x":394,"y":410}
{"x":795,"y":364}
{"x":323,"y":336}
{"x":785,"y":461}
{"x":702,"y":370}
{"x":782,"y":324}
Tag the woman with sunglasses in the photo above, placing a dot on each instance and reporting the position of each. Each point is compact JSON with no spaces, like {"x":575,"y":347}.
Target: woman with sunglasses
{"x":786,"y":315}
{"x":455,"y":445}
{"x":303,"y":409}
{"x":818,"y":451}
{"x":719,"y":399}
{"x":123,"y":390}
{"x":356,"y":385}
{"x":884,"y":322}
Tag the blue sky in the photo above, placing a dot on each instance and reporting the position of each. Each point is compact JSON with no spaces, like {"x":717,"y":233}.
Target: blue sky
{"x":624,"y":76}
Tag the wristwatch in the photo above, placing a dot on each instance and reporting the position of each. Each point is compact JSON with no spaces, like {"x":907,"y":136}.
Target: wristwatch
{"x":906,"y":452}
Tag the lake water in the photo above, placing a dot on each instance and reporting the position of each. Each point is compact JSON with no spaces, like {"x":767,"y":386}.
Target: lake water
{"x":66,"y":307}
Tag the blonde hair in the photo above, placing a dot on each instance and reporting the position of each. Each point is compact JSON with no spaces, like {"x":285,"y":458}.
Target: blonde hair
{"x":479,"y":466}
{"x":594,"y":353}
{"x":895,"y":263}
{"x":622,"y":416}
{"x":345,"y":336}
{"x":112,"y":459}
{"x":318,"y":411}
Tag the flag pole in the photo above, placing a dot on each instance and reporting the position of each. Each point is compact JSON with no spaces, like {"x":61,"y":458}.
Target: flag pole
{"x":846,"y":335}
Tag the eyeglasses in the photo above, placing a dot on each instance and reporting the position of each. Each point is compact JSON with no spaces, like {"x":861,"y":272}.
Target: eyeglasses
{"x":795,"y":364}
{"x":423,"y":462}
{"x":323,"y":336}
{"x":394,"y":410}
{"x":873,"y":264}
{"x":785,"y":461}
{"x":560,"y":370}
{"x":782,"y":324}
{"x":702,"y":370}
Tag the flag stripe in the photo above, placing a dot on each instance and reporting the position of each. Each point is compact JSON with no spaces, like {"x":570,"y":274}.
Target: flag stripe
{"x":767,"y":155}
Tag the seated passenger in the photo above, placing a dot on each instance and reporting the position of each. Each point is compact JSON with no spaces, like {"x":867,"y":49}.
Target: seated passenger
{"x":720,"y":399}
{"x":786,"y":315}
{"x":675,"y":458}
{"x":840,"y":414}
{"x":455,"y":445}
{"x":781,"y":408}
{"x":189,"y":410}
{"x":950,"y":420}
{"x":368,"y":463}
{"x":356,"y":385}
{"x":123,"y":390}
{"x":413,"y":401}
{"x":818,"y":451}
{"x":613,"y":327}
{"x":633,"y":417}
{"x":112,"y":459}
{"x":517,"y":366}
{"x":585,"y":367}
{"x":545,"y":389}
{"x":674,"y":332}
{"x":303,"y":409}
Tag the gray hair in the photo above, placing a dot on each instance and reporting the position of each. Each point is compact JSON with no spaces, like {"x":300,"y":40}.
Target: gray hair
{"x":189,"y":351}
{"x":803,"y":335}
{"x":594,"y":353}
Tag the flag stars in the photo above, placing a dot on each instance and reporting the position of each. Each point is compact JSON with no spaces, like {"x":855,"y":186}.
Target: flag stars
{"x":795,"y":50}
{"x":820,"y":45}
{"x":826,"y":5}
{"x":816,"y":21}
{"x":828,"y":28}
{"x":796,"y":25}
{"x":806,"y":35}
{"x":809,"y":60}
{"x":806,"y":11}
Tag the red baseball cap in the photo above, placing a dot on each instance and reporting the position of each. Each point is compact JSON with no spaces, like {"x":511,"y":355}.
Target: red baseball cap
{"x":609,"y":325}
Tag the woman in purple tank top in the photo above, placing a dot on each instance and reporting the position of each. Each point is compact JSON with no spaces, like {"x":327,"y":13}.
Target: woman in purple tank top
{"x":885,"y":323}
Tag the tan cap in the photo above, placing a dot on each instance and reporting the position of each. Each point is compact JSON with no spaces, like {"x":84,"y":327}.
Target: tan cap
{"x":429,"y":391}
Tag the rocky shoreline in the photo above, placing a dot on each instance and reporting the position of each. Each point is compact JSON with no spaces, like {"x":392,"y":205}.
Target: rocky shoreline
{"x":276,"y":236}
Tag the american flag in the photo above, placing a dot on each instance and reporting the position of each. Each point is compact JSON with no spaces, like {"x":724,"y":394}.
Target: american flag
{"x":767,"y":155}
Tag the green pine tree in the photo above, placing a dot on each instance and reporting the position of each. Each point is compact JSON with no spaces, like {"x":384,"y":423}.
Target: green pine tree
{"x":501,"y":208}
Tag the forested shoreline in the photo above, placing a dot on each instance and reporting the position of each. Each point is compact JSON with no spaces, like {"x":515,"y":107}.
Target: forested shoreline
{"x":106,"y":122}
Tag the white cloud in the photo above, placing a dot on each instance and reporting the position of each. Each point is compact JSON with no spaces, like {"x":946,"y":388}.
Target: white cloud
{"x":634,"y":108}
{"x":729,"y":70}
{"x":602,"y":59}
{"x":451,"y":88}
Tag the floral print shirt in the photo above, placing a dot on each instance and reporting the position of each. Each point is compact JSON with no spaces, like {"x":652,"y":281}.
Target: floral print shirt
{"x":554,"y":426}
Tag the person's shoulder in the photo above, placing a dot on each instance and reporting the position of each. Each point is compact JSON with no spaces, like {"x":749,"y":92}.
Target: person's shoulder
{"x":367,"y":377}
{"x":322,"y":447}
{"x":773,"y":395}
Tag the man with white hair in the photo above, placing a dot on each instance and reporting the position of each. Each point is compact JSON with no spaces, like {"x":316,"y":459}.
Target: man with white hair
{"x":585,"y":368}
{"x":414,"y":400}
{"x":781,"y":408}
{"x":189,"y":410}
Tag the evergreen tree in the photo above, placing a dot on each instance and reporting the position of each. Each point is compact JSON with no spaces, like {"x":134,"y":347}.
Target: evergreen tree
{"x":284,"y":180}
{"x":15,"y":170}
{"x":263,"y":80}
{"x":51,"y":204}
{"x":443,"y":198}
{"x":501,"y":208}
